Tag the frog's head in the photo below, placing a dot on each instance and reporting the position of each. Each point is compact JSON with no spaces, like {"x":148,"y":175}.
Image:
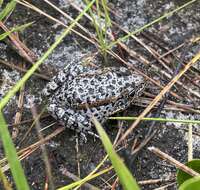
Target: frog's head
{"x":139,"y":86}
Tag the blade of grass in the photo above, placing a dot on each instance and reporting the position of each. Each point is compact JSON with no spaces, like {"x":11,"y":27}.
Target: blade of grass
{"x":125,"y":177}
{"x":80,"y":182}
{"x":15,"y":29}
{"x":187,"y":121}
{"x":8,"y":9}
{"x":10,"y":152}
{"x":91,"y":174}
{"x":1,"y":2}
{"x":4,"y":180}
{"x":101,"y":25}
{"x":29,"y":73}
{"x":106,"y":12}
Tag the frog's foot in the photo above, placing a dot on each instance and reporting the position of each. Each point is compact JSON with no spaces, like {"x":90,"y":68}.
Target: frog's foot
{"x":83,"y":138}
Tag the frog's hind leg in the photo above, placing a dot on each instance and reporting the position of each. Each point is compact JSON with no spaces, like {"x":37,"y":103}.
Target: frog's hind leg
{"x":70,"y":118}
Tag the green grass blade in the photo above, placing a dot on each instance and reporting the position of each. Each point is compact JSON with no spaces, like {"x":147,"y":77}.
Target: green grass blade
{"x":22,"y":81}
{"x":10,"y":152}
{"x":9,"y":8}
{"x":125,"y":177}
{"x":106,"y":12}
{"x":186,"y":121}
{"x":1,"y":2}
{"x":4,"y":180}
{"x":15,"y":29}
{"x":84,"y":180}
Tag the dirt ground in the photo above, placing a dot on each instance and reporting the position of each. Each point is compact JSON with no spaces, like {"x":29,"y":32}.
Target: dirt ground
{"x":62,"y":149}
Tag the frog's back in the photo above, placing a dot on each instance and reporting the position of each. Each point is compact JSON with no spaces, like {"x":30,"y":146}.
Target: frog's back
{"x":108,"y":85}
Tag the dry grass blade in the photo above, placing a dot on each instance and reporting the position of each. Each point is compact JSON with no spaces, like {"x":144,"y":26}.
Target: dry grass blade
{"x":173,"y":161}
{"x":43,"y":148}
{"x":4,"y":181}
{"x":23,"y":70}
{"x":18,"y":115}
{"x":21,"y":48}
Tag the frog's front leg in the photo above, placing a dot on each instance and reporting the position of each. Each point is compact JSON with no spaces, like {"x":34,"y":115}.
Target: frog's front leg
{"x":72,"y":70}
{"x":68,"y":73}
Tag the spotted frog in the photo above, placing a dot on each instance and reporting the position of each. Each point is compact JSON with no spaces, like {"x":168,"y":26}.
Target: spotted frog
{"x":79,"y":92}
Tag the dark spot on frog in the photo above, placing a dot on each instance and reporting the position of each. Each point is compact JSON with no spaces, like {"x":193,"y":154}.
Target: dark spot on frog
{"x":99,"y":78}
{"x":98,"y":108}
{"x":120,"y":83}
{"x":101,"y":90}
{"x":110,"y":87}
{"x":91,"y":90}
{"x":96,"y":114}
{"x":105,"y":112}
{"x":98,"y":97}
{"x":92,"y":82}
{"x":80,"y":90}
{"x":68,"y":89}
{"x":60,"y":98}
{"x":132,"y":94}
{"x":79,"y":101}
{"x":113,"y":93}
{"x":113,"y":81}
{"x":88,"y":100}
{"x":106,"y":95}
{"x":85,"y":81}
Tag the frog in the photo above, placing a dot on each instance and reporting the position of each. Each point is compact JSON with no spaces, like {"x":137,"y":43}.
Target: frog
{"x":79,"y":92}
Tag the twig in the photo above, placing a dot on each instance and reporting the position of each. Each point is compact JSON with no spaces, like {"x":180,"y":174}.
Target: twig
{"x":165,"y":186}
{"x":18,"y":114}
{"x":23,"y":70}
{"x":27,"y":121}
{"x":190,"y":144}
{"x":43,"y":148}
{"x":75,"y":178}
{"x":154,"y":181}
{"x":174,"y":162}
{"x":77,"y":157}
{"x":22,"y":50}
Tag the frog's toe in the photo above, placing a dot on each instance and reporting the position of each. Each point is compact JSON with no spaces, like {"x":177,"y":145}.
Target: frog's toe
{"x":83,"y":138}
{"x":52,"y":108}
{"x":50,"y":87}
